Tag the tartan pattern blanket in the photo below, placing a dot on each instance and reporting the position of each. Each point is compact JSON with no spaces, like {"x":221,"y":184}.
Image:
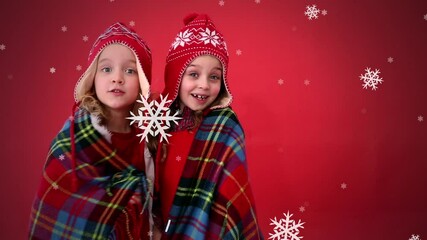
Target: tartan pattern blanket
{"x":214,"y":198}
{"x":87,"y":208}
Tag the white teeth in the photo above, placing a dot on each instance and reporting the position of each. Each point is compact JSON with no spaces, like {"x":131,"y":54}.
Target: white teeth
{"x":199,"y":96}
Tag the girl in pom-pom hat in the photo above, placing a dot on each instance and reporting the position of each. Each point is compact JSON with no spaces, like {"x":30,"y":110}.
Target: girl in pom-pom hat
{"x":202,"y":181}
{"x":98,"y":177}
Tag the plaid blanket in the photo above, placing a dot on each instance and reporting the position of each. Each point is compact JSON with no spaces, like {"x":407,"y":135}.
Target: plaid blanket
{"x":214,"y":199}
{"x":88,"y":206}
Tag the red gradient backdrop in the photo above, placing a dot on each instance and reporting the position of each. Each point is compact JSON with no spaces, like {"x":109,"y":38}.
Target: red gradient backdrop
{"x":349,"y":162}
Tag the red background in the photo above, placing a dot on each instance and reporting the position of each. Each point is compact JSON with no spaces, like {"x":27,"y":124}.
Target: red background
{"x":303,"y":141}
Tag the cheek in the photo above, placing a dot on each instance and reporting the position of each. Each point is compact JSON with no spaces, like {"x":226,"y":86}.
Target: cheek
{"x":215,"y":89}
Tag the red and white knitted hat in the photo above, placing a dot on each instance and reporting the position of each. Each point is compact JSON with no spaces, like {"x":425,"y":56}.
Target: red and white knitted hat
{"x":117,"y":34}
{"x":198,"y":37}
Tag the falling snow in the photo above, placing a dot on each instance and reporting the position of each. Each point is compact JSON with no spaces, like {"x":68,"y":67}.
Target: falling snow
{"x":2,"y":47}
{"x":178,"y":158}
{"x":52,"y":70}
{"x":302,"y":209}
{"x":343,"y":186}
{"x":415,"y":237}
{"x":371,"y":79}
{"x":286,"y":229}
{"x":238,"y":52}
{"x":306,"y":82}
{"x":154,"y":118}
{"x":312,"y":12}
{"x":61,"y":157}
{"x":85,"y":38}
{"x":221,"y":3}
{"x":64,"y":28}
{"x":324,"y":12}
{"x":420,"y":118}
{"x":390,"y":59}
{"x":280,"y":81}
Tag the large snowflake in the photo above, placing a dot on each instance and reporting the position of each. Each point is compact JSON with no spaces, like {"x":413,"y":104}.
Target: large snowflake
{"x":415,"y":237}
{"x":312,"y":12}
{"x":371,"y":79}
{"x":154,"y":118}
{"x":286,"y":229}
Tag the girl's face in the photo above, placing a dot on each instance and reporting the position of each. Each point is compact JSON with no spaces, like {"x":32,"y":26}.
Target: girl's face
{"x":116,"y":78}
{"x":201,"y":83}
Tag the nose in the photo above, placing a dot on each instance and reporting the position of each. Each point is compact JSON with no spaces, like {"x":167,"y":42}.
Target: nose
{"x":204,"y":83}
{"x":118,"y":78}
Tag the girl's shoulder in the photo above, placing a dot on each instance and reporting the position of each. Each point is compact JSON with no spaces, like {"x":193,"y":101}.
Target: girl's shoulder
{"x":224,"y":116}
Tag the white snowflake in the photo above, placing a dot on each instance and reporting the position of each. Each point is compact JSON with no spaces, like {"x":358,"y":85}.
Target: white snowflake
{"x":182,"y":39}
{"x":64,"y":28}
{"x":221,"y":3}
{"x":280,"y":81}
{"x":61,"y":157}
{"x":238,"y":52}
{"x":150,"y":234}
{"x":324,"y":12}
{"x":2,"y":47}
{"x":425,"y":17}
{"x":312,"y":12}
{"x":390,"y":59}
{"x":132,"y":23}
{"x":257,"y":1}
{"x":52,"y":70}
{"x":154,"y":118}
{"x":343,"y":186}
{"x":415,"y":237}
{"x":371,"y":79}
{"x":209,"y":37}
{"x":85,"y":38}
{"x":178,"y":158}
{"x":285,"y":229}
{"x":306,"y":82}
{"x":79,"y":67}
{"x":302,"y":209}
{"x":420,"y":118}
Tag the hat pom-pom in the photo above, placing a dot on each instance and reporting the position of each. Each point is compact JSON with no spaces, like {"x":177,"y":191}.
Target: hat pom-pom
{"x":190,"y":17}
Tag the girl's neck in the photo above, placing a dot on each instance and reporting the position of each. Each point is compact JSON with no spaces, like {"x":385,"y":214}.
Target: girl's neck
{"x":117,"y":122}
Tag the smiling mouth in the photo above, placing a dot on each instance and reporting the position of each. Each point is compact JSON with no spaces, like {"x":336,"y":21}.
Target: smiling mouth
{"x":200,"y":97}
{"x":116,"y":91}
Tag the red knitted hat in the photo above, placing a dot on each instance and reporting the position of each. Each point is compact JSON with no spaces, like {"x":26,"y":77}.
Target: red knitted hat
{"x":117,"y":34}
{"x":198,"y":37}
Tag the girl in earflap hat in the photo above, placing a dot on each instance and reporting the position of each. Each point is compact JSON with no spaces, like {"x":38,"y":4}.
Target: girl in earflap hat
{"x":97,"y":180}
{"x":202,"y":180}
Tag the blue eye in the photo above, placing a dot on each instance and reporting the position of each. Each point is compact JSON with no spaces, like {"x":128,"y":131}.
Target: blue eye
{"x":193,"y":74}
{"x":106,"y":69}
{"x":215,"y":77}
{"x":130,"y":71}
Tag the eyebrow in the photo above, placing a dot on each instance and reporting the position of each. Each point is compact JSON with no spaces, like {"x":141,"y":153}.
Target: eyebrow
{"x":108,"y":59}
{"x":195,"y":65}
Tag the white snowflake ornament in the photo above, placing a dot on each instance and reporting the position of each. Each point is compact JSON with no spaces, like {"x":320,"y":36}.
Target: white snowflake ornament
{"x":286,"y":229}
{"x":312,"y":12}
{"x":371,"y":79}
{"x":415,"y":237}
{"x":154,"y":118}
